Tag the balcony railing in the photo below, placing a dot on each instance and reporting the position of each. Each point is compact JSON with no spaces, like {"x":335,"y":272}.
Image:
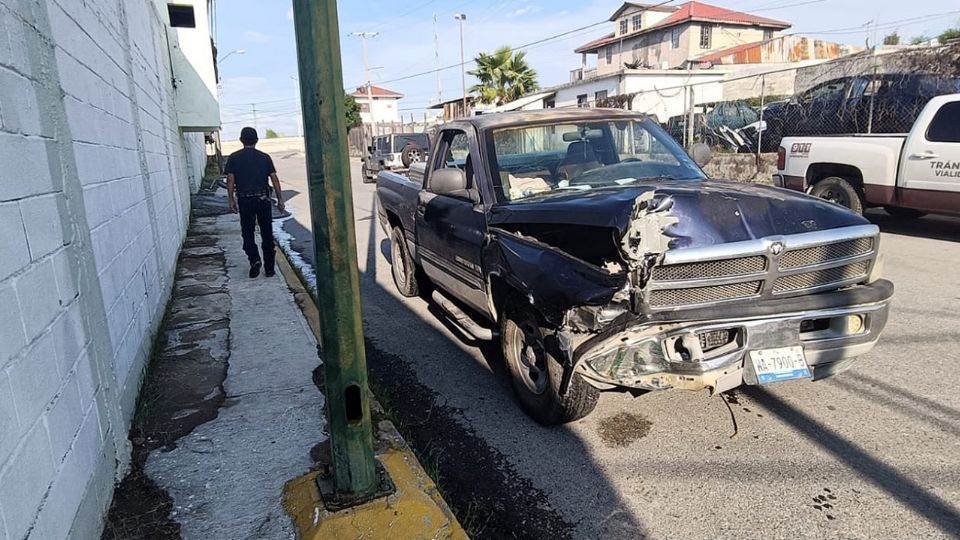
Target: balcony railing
{"x":581,"y":74}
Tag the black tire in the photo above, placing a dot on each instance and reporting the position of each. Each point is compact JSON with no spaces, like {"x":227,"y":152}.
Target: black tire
{"x":904,"y":213}
{"x":411,"y":153}
{"x":535,"y":374}
{"x":367,"y":177}
{"x":839,"y":191}
{"x":403,"y":268}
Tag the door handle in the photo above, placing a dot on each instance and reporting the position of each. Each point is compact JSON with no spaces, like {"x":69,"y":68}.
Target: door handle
{"x":924,"y":155}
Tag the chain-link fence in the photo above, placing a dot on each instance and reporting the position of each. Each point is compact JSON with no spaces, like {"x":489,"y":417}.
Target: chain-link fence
{"x":874,"y":92}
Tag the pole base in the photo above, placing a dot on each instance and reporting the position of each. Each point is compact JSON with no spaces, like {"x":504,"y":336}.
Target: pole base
{"x":334,"y":501}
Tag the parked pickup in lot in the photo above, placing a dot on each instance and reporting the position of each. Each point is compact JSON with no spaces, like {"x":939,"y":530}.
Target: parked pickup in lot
{"x":597,"y":252}
{"x":907,"y":174}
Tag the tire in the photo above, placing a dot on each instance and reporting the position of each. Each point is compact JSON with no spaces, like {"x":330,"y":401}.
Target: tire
{"x":367,"y":177}
{"x":904,"y":213}
{"x":411,"y":154}
{"x":535,"y":374}
{"x":839,"y":191}
{"x":403,"y":268}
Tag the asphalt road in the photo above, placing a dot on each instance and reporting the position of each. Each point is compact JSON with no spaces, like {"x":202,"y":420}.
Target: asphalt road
{"x":872,"y":453}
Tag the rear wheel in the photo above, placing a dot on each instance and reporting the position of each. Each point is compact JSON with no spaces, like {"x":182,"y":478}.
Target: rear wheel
{"x":402,"y":266}
{"x":839,"y":191}
{"x":535,"y":374}
{"x":903,"y":213}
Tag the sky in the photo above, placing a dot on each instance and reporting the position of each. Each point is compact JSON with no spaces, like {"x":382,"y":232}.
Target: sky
{"x":264,"y":75}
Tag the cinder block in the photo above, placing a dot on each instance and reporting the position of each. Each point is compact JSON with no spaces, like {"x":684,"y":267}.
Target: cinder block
{"x":87,"y":378}
{"x":13,"y":240}
{"x":25,"y":481}
{"x":9,"y":425}
{"x":75,"y":475}
{"x":12,"y":337}
{"x":31,"y":176}
{"x":37,"y":306}
{"x":66,"y":276}
{"x":41,"y":218}
{"x":35,"y":380}
{"x":64,"y":418}
{"x":69,"y":338}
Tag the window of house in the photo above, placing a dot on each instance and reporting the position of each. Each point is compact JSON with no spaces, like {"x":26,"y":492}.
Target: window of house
{"x":602,"y":94}
{"x":181,"y":16}
{"x":608,"y":55}
{"x":675,"y":38}
{"x":636,"y":22}
{"x":767,"y":34}
{"x":706,"y":33}
{"x":582,"y":100}
{"x":945,"y":126}
{"x":552,"y":104}
{"x":623,"y":26}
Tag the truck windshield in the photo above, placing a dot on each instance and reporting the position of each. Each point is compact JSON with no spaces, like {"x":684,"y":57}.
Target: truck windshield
{"x":539,"y":159}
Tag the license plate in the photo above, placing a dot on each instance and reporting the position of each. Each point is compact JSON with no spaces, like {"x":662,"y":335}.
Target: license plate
{"x":782,"y":364}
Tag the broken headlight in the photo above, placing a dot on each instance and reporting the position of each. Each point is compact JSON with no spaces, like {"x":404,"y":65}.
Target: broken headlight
{"x":629,"y":360}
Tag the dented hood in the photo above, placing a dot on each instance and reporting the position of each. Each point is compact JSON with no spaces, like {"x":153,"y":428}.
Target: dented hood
{"x":707,"y":212}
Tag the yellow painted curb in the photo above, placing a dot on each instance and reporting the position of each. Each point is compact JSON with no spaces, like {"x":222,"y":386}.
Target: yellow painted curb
{"x":415,"y":511}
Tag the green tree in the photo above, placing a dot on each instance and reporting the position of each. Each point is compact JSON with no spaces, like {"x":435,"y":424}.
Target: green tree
{"x":949,"y":34}
{"x":504,"y":76}
{"x":918,"y":40}
{"x":271,"y":134}
{"x":353,"y":111}
{"x":892,"y":38}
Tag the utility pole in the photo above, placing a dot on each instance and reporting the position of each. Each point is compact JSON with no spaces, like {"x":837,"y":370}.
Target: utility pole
{"x":355,"y":476}
{"x":366,"y":70}
{"x":463,"y":66}
{"x":253,"y":108}
{"x":436,"y":56}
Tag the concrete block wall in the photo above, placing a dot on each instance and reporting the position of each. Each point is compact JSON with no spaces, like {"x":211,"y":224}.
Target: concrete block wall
{"x":94,"y":204}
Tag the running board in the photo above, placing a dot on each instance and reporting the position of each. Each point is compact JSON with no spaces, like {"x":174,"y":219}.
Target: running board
{"x":461,"y":319}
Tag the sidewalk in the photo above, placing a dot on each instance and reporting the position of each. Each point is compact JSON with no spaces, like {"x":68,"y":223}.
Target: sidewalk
{"x":230,"y":422}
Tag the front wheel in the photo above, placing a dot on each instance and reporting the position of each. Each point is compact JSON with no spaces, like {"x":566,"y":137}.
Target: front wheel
{"x":535,"y":374}
{"x":403,"y":268}
{"x":839,"y":191}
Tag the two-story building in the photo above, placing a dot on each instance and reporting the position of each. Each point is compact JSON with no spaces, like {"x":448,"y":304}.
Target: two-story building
{"x":385,"y":104}
{"x":665,"y":37}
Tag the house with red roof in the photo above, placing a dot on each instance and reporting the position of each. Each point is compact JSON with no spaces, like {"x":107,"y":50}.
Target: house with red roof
{"x":386,"y":104}
{"x":651,"y":36}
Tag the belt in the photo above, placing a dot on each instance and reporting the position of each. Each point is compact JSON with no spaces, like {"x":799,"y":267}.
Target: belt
{"x":251,"y":194}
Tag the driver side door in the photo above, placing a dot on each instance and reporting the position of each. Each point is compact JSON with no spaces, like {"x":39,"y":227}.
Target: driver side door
{"x":451,"y":228}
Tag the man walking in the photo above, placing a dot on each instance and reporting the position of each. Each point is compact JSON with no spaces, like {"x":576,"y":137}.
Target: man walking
{"x":249,"y":194}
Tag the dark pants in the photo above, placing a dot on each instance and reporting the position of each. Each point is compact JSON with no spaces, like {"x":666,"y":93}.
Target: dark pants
{"x":257,"y":211}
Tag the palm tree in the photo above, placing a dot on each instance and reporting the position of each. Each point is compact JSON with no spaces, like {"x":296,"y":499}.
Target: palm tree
{"x":504,"y":76}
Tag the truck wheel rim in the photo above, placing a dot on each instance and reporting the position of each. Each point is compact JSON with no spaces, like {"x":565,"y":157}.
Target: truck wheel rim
{"x":529,"y":358}
{"x":415,"y":156}
{"x":836,"y":197}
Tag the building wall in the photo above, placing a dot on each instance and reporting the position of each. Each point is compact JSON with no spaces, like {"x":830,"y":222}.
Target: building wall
{"x":384,"y":109}
{"x":94,"y":202}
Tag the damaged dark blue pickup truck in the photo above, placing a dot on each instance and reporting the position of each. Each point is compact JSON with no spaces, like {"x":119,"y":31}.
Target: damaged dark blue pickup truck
{"x":599,"y":254}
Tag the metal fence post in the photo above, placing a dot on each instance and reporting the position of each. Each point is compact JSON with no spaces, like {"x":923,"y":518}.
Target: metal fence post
{"x":355,"y":475}
{"x":763,"y":88}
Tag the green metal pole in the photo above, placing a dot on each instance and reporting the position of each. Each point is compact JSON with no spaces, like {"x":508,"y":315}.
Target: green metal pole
{"x":338,"y":286}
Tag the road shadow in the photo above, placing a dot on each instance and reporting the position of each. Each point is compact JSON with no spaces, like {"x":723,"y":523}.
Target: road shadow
{"x":931,"y":226}
{"x":938,"y":512}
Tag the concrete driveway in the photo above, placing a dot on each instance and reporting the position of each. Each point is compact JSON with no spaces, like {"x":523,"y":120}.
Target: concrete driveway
{"x":872,"y":453}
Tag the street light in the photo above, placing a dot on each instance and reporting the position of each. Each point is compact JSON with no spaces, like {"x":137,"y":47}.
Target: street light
{"x":235,"y":51}
{"x":463,"y":75}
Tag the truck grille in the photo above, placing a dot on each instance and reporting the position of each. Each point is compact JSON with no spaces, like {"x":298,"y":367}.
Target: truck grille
{"x":710,"y":269}
{"x":703,"y":295}
{"x":841,"y":250}
{"x":768,"y":268}
{"x":818,"y":278}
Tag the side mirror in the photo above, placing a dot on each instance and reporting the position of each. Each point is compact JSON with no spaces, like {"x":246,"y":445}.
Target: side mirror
{"x":701,"y":154}
{"x":452,"y":182}
{"x":370,"y":149}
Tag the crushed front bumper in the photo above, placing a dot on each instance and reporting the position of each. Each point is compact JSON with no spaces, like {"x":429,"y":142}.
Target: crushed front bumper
{"x":713,"y":352}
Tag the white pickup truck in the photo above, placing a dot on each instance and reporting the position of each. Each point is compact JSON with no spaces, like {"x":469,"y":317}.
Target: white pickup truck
{"x":909,"y":175}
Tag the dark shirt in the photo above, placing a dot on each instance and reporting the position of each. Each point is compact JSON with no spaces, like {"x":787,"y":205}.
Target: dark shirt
{"x":251,"y":169}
